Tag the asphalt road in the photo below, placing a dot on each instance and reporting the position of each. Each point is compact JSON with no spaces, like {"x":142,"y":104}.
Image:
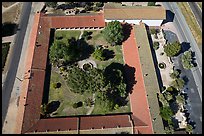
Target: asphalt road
{"x":194,"y":76}
{"x":15,"y":57}
{"x":197,"y":12}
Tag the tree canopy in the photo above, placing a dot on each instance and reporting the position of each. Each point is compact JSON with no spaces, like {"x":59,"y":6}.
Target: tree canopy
{"x":186,"y":60}
{"x":175,"y":74}
{"x":166,"y":113}
{"x":178,"y":83}
{"x":67,"y":51}
{"x":113,"y":33}
{"x":172,"y":49}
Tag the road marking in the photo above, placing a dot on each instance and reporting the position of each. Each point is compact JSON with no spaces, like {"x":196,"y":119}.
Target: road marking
{"x":192,"y":90}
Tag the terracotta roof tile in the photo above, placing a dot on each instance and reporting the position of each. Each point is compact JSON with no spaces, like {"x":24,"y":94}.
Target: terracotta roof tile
{"x":111,"y":121}
{"x":77,"y":21}
{"x":54,"y":124}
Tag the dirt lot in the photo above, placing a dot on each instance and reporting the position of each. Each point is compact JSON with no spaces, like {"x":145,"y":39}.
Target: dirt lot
{"x":13,"y":14}
{"x":7,"y":4}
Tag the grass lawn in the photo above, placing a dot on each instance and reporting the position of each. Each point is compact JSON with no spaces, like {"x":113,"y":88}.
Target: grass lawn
{"x":191,"y":21}
{"x":67,"y":34}
{"x":5,"y":50}
{"x":68,"y":98}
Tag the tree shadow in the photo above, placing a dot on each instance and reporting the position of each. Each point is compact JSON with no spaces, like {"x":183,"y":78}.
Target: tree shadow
{"x":85,"y":49}
{"x":185,"y":78}
{"x":175,"y":122}
{"x":9,"y":29}
{"x":130,"y":78}
{"x":126,"y":31}
{"x":52,"y":106}
{"x":109,"y":54}
{"x":185,"y":46}
{"x":169,"y":17}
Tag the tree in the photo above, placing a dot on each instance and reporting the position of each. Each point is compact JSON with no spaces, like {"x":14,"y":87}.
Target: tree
{"x":51,"y":4}
{"x":178,"y":83}
{"x":189,"y":129}
{"x":172,"y":49}
{"x":168,"y":96}
{"x":156,"y":45}
{"x":186,"y":60}
{"x":99,"y":4}
{"x":85,"y":35}
{"x":169,"y":129}
{"x":175,"y":74}
{"x":99,"y":55}
{"x":166,"y":113}
{"x":151,"y":4}
{"x":68,"y":52}
{"x":113,"y":33}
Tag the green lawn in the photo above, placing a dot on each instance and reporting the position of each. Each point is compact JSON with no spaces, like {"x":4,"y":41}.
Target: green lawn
{"x":65,"y":96}
{"x":5,"y":50}
{"x":67,"y":34}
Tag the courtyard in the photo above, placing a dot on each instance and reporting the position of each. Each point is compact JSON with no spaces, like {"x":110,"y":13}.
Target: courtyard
{"x":64,"y":95}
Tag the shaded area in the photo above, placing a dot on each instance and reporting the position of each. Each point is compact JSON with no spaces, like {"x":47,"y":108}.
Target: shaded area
{"x":9,"y":29}
{"x":48,"y":71}
{"x":52,"y":106}
{"x":170,"y":36}
{"x":126,"y":31}
{"x":109,"y":54}
{"x":185,"y":46}
{"x":5,"y":50}
{"x":130,"y":78}
{"x":169,"y":17}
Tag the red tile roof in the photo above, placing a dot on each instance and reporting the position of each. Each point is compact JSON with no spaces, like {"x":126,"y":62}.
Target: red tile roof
{"x":96,"y":20}
{"x":31,"y":116}
{"x":111,"y":121}
{"x":34,"y":99}
{"x":54,"y":124}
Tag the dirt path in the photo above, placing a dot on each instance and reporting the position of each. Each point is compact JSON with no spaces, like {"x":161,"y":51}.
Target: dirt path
{"x":92,"y":107}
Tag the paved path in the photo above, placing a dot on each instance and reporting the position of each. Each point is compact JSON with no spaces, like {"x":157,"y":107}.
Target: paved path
{"x":138,"y":98}
{"x":8,"y":8}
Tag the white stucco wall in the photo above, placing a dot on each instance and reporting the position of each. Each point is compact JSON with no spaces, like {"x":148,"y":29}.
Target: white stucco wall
{"x":147,"y":22}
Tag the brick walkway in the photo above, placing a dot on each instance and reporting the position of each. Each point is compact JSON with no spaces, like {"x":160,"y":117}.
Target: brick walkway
{"x":138,"y":98}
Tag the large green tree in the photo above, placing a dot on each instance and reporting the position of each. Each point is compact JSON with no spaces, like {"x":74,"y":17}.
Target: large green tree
{"x":68,"y":52}
{"x":113,"y":33}
{"x":172,"y":49}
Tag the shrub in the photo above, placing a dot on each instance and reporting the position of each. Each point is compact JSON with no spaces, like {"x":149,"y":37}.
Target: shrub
{"x":186,"y":60}
{"x":166,"y":113}
{"x":153,"y":31}
{"x":78,"y":104}
{"x":156,"y":45}
{"x":99,"y":55}
{"x":189,"y":129}
{"x":151,"y":4}
{"x":175,"y":74}
{"x":178,"y":83}
{"x":56,"y":85}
